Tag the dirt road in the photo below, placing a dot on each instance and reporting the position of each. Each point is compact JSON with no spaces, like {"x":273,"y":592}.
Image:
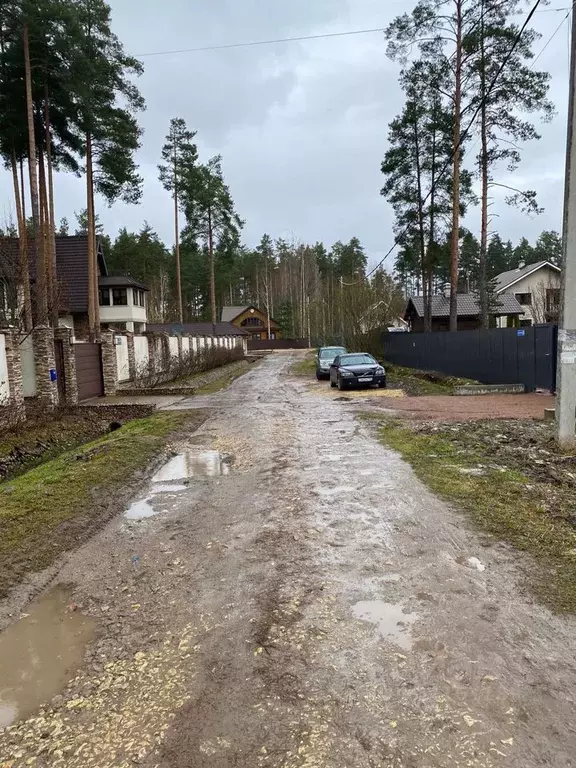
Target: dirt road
{"x":305,"y":603}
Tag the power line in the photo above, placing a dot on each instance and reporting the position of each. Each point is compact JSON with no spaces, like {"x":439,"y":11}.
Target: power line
{"x":302,"y":38}
{"x":253,"y":43}
{"x":465,"y":133}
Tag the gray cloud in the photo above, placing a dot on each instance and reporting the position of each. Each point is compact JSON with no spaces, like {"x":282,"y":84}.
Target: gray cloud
{"x":302,"y":126}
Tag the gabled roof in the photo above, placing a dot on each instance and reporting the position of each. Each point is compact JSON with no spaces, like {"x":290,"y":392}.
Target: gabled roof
{"x":507,"y":279}
{"x":468,"y":305}
{"x":199,"y":329}
{"x":72,"y":269}
{"x":231,"y":313}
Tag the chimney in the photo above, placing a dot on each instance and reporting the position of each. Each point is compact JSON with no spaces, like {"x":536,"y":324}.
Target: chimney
{"x":446,"y":290}
{"x":521,"y":265}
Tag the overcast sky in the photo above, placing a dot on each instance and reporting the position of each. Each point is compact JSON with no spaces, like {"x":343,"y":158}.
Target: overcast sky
{"x":301,"y":126}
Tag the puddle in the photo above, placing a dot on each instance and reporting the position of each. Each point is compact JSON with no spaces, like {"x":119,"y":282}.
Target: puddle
{"x":393,"y":624}
{"x":193,"y":464}
{"x":159,"y":488}
{"x":139,"y":510}
{"x":39,"y":654}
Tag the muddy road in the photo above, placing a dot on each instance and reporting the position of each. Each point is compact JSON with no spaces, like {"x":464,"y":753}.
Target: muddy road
{"x":286,"y":594}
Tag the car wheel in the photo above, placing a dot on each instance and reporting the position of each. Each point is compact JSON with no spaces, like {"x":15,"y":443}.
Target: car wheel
{"x":341,"y":385}
{"x":382,"y":384}
{"x":318,"y":376}
{"x":332,"y":383}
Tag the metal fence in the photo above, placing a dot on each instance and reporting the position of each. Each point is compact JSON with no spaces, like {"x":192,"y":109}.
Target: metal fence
{"x":497,"y":356}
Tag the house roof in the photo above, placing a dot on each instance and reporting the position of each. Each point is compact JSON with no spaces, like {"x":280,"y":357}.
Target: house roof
{"x":506,"y":279}
{"x":200,"y":329}
{"x":468,"y":305}
{"x":231,"y":313}
{"x":72,"y":269}
{"x":120,"y":282}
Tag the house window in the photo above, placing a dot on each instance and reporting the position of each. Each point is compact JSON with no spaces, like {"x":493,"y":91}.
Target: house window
{"x":524,"y":298}
{"x":138,"y":297}
{"x":552,"y":299}
{"x":119,"y":297}
{"x":256,"y":336}
{"x":252,"y":321}
{"x":104,"y":294}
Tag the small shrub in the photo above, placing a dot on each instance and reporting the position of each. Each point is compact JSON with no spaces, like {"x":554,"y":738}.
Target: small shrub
{"x":173,"y":368}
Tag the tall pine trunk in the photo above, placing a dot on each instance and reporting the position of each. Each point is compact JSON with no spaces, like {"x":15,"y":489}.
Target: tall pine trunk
{"x":91,"y":240}
{"x":212,"y":266}
{"x":177,"y":244}
{"x":51,"y":228}
{"x":421,"y":231}
{"x":41,"y":295}
{"x":483,"y":266}
{"x":44,"y":231}
{"x":23,"y":262}
{"x":455,"y":244}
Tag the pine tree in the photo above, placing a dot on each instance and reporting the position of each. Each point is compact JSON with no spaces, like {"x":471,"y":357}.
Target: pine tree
{"x":210,"y":213}
{"x":180,"y":156}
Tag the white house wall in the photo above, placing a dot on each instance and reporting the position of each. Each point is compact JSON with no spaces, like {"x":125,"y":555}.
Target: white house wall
{"x":533,"y":284}
{"x":173,"y":342}
{"x":185,"y":345}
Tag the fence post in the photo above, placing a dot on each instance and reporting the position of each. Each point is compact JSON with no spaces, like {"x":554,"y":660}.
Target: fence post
{"x":109,"y":364}
{"x":65,"y":335}
{"x":45,"y":363}
{"x":14,"y":371}
{"x":131,"y":356}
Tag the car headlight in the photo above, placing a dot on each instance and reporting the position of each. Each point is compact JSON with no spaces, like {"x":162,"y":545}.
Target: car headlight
{"x":380,"y":371}
{"x":346,"y":374}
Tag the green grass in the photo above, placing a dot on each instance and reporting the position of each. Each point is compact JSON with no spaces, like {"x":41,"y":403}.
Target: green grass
{"x":44,"y":511}
{"x":224,"y":382}
{"x":507,"y":504}
{"x":306,"y":367}
{"x":416,"y":382}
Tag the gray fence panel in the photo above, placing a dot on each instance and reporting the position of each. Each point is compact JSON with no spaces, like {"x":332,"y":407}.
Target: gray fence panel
{"x":497,"y":356}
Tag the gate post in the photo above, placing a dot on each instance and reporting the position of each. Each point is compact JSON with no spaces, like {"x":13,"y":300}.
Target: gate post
{"x":109,"y":364}
{"x":65,"y":335}
{"x":14,"y":372}
{"x":45,"y":363}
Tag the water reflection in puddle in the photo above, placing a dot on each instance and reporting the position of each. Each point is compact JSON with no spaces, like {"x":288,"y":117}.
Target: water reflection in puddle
{"x":393,"y":624}
{"x":193,"y":464}
{"x":39,"y":655}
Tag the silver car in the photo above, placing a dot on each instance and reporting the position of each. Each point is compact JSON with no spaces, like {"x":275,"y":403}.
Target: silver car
{"x":325,"y":358}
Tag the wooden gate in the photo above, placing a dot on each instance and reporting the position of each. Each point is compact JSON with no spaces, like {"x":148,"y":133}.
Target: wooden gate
{"x":89,"y":370}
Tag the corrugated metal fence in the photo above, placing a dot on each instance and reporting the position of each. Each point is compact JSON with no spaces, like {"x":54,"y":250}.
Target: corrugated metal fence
{"x":496,"y":356}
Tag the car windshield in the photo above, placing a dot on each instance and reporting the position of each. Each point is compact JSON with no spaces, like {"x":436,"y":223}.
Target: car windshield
{"x":331,"y":352}
{"x":357,"y":360}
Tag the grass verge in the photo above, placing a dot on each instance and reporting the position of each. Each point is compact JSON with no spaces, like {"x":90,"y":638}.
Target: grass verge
{"x":224,"y":382}
{"x":306,"y":367}
{"x":415,"y":382}
{"x":59,"y":504}
{"x":502,"y":500}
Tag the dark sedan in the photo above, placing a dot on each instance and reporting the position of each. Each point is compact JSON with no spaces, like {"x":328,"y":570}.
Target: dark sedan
{"x":356,"y":370}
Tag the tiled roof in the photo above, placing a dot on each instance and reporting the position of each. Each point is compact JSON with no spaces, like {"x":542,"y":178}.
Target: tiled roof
{"x":468,"y":305}
{"x":113,"y":282}
{"x":199,"y":329}
{"x":231,"y":313}
{"x":504,"y":279}
{"x":71,"y":268}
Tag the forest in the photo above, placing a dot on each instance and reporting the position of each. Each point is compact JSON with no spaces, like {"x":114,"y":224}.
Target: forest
{"x":70,"y":103}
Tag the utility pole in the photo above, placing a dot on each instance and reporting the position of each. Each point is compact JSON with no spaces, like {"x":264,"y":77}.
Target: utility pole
{"x":566,"y":377}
